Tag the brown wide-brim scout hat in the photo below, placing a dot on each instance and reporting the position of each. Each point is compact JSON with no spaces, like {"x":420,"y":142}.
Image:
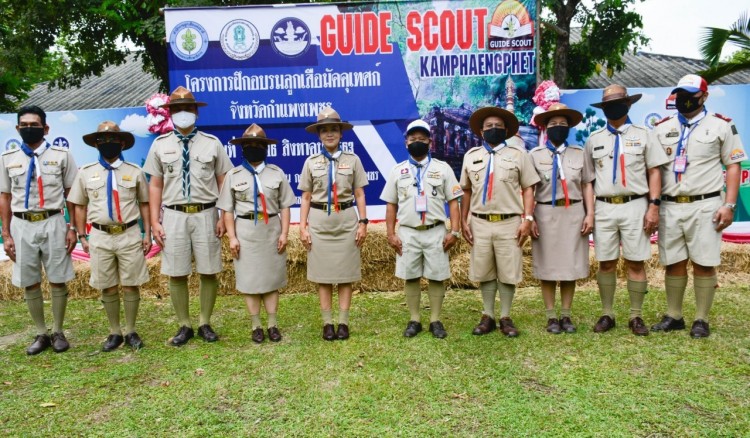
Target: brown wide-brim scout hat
{"x":253,"y":134}
{"x":182,"y":96}
{"x":328,"y":116}
{"x":477,"y":120}
{"x":616,"y":93}
{"x":558,"y":109}
{"x":109,"y":129}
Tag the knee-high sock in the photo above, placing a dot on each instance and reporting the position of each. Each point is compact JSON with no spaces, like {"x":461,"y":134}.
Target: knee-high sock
{"x":607,"y":284}
{"x":489,"y":289}
{"x":343,"y":316}
{"x":131,"y":300}
{"x":255,"y":321}
{"x":178,"y":292}
{"x":436,"y":292}
{"x":675,"y":288}
{"x":209,"y":289}
{"x":705,"y":288}
{"x":327,"y":316}
{"x":413,"y":295}
{"x":59,"y":303}
{"x":637,"y":290}
{"x":35,"y":303}
{"x":111,"y":302}
{"x":272,"y":322}
{"x":507,"y":291}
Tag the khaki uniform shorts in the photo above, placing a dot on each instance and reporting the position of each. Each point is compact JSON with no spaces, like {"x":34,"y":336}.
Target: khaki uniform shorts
{"x":495,"y":254}
{"x":117,"y":259}
{"x":616,"y":224}
{"x":422,"y":254}
{"x":188,"y":235}
{"x":687,"y":231}
{"x":40,"y":244}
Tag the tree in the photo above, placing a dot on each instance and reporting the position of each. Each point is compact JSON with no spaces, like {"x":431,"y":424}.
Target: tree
{"x":608,"y":29}
{"x":712,"y":43}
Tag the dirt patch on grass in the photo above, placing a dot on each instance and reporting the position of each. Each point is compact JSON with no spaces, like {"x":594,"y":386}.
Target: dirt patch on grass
{"x":11,"y":339}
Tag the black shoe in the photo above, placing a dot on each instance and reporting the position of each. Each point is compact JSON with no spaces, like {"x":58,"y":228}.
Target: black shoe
{"x":667,"y":324}
{"x":329,"y":334}
{"x":183,"y":335}
{"x":207,"y":333}
{"x":112,"y":342}
{"x":553,"y":326}
{"x":700,"y":329}
{"x":258,"y":336}
{"x":342,"y":332}
{"x":274,"y":334}
{"x":567,"y":325}
{"x":134,"y":341}
{"x":59,"y":343}
{"x":41,"y":343}
{"x":437,"y":330}
{"x":412,"y":329}
{"x":605,"y":324}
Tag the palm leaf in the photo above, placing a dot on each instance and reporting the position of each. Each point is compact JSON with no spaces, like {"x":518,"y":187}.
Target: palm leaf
{"x":711,"y":74}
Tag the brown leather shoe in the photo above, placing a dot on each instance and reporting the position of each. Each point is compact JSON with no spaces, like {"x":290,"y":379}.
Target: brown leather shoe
{"x":41,"y":343}
{"x":638,"y":327}
{"x":553,"y":326}
{"x":507,"y":327}
{"x":329,"y":334}
{"x":343,"y":332}
{"x":567,"y":325}
{"x":59,"y":343}
{"x":258,"y":335}
{"x":486,"y":325}
{"x":605,"y":324}
{"x":274,"y":334}
{"x":700,"y":329}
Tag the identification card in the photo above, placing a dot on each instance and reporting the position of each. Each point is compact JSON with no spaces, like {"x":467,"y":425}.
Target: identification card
{"x":421,"y":203}
{"x":680,"y":164}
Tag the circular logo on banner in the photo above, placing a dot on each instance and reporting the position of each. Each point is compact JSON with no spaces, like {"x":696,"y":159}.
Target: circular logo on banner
{"x":240,"y":39}
{"x":12,"y":144}
{"x":61,"y":142}
{"x":188,"y":40}
{"x":651,"y":119}
{"x":511,"y":27}
{"x":290,"y":37}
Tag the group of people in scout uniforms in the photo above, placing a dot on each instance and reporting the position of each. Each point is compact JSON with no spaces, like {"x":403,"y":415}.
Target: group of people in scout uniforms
{"x":625,"y":183}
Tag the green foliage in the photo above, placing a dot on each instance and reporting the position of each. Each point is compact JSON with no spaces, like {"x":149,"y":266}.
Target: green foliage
{"x":713,"y":41}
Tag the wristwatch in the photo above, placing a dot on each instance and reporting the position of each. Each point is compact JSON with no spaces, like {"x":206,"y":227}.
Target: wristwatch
{"x":364,"y":221}
{"x":83,"y":236}
{"x":655,"y":201}
{"x":529,"y":218}
{"x":730,"y":206}
{"x":456,"y":234}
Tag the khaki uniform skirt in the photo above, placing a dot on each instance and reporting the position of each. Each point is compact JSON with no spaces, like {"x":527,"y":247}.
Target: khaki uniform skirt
{"x":260,"y":268}
{"x":560,"y":253}
{"x":334,"y":257}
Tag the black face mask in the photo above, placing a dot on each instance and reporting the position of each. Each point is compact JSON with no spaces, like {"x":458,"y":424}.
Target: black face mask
{"x":494,"y":135}
{"x":31,"y":134}
{"x":110,"y":151}
{"x":615,"y":111}
{"x":687,"y":103}
{"x":558,"y":134}
{"x":418,"y":148}
{"x":254,"y":154}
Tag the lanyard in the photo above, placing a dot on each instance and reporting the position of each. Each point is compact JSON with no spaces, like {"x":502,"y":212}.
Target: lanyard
{"x":421,"y":172}
{"x":682,"y":145}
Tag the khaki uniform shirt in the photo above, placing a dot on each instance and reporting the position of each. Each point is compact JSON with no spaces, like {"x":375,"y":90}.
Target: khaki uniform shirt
{"x":238,"y":194}
{"x":208,"y":159}
{"x":439,"y":185}
{"x":641,"y":152}
{"x":90,"y":189}
{"x":58,"y":171}
{"x":513,"y":171}
{"x":713,"y":142}
{"x":350,"y":175}
{"x":575,"y":173}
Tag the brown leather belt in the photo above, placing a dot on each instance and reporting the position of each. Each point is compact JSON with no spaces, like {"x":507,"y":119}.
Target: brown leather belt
{"x":687,"y":199}
{"x":251,"y":216}
{"x":494,"y":217}
{"x":324,"y":207}
{"x":36,"y":216}
{"x":425,"y":227}
{"x":560,"y":202}
{"x":114,"y":228}
{"x":191,"y":208}
{"x":618,"y":199}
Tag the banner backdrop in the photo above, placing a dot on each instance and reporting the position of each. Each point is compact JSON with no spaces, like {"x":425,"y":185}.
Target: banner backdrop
{"x":380,"y":65}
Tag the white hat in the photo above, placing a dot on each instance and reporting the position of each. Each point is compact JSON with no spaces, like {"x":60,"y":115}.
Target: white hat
{"x":691,"y":84}
{"x":418,"y":124}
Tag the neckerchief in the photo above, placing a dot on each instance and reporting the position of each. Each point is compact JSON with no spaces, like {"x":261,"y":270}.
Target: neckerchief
{"x":682,"y":145}
{"x":420,"y":177}
{"x":186,"y":160}
{"x":557,"y":167}
{"x":489,"y":177}
{"x":619,"y":159}
{"x":113,"y":195}
{"x":257,"y":189}
{"x":332,"y":191}
{"x":34,"y":165}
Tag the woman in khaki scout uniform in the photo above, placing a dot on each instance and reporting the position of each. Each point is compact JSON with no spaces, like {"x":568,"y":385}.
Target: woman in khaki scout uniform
{"x":256,"y":197}
{"x":112,"y":194}
{"x":329,"y":228}
{"x":492,"y":176}
{"x":560,"y":242}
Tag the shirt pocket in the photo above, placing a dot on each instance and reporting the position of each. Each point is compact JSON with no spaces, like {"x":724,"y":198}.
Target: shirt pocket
{"x":403,"y":186}
{"x":544,"y":169}
{"x":507,"y":169}
{"x":126,"y":189}
{"x":574,"y":169}
{"x":205,"y":165}
{"x":320,"y":178}
{"x":271,"y":190}
{"x":669,"y":144}
{"x":477,"y":173}
{"x":435,"y":187}
{"x":344,"y":179}
{"x":51,"y":175}
{"x":706,"y":146}
{"x":17,"y":176}
{"x":96,"y":190}
{"x":171,"y":165}
{"x":634,"y":155}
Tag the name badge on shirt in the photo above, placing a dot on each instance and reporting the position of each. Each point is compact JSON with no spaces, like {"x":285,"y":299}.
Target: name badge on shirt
{"x":680,"y":164}
{"x":421,"y":203}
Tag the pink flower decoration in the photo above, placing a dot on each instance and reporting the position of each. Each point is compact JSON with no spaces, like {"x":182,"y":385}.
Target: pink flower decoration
{"x":159,"y":121}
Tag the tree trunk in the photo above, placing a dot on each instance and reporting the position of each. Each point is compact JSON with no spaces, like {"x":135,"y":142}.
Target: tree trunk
{"x":564,"y":13}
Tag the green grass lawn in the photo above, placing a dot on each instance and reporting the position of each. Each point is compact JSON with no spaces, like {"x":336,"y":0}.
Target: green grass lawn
{"x":378,"y":382}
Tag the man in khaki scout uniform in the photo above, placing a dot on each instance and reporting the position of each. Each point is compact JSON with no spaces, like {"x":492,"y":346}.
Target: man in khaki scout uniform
{"x":34,"y":182}
{"x":112,"y":194}
{"x":187,"y":167}
{"x":492,"y":176}
{"x":693,"y":213}
{"x":416,"y":193}
{"x":625,"y":160}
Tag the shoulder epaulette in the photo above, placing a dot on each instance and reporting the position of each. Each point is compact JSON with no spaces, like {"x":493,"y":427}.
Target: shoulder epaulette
{"x":10,"y":151}
{"x":474,"y":149}
{"x":538,"y":148}
{"x":237,"y":169}
{"x":163,"y":136}
{"x":274,"y":167}
{"x":86,"y":166}
{"x":60,"y":148}
{"x":207,"y":135}
{"x":724,"y":118}
{"x":131,"y":164}
{"x":599,"y":131}
{"x":662,"y":120}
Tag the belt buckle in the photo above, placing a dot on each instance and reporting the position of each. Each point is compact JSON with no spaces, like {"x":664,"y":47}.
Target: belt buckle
{"x":35,"y":217}
{"x":329,"y":208}
{"x":192,"y":208}
{"x":260,"y":216}
{"x":420,"y":227}
{"x":116,"y":229}
{"x":494,"y":217}
{"x":683,"y":199}
{"x":617,"y":200}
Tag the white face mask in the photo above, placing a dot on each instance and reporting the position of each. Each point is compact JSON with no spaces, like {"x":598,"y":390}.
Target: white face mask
{"x":183,"y":119}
